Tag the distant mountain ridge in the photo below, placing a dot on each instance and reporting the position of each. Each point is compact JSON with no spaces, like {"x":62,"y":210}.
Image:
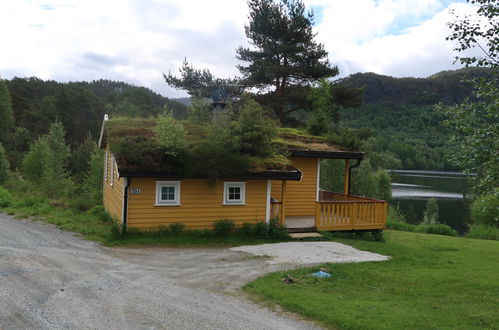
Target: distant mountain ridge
{"x":448,"y":87}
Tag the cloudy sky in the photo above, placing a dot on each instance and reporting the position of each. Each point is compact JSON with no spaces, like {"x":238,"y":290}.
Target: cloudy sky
{"x":137,"y":40}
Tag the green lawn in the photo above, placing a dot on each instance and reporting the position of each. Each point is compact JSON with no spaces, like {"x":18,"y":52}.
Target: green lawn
{"x":431,"y":282}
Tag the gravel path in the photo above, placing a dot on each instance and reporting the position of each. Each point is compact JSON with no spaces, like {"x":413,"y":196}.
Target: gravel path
{"x":51,"y":279}
{"x":303,"y":253}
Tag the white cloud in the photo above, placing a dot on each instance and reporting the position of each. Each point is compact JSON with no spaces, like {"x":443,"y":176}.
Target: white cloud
{"x":136,"y":41}
{"x":129,"y":40}
{"x":360,"y":36}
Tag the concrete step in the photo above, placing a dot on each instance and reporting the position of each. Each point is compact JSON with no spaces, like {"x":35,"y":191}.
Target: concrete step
{"x":304,"y":235}
{"x":302,"y":229}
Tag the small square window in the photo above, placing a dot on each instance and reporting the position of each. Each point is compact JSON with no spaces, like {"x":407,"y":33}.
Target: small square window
{"x":234,"y":193}
{"x":167,"y":193}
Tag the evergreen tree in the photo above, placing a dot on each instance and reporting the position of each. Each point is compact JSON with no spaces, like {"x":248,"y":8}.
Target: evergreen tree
{"x":200,"y":82}
{"x":35,"y":161}
{"x":80,"y":161}
{"x":384,"y":185}
{"x":322,"y":108}
{"x":6,"y":117}
{"x":4,"y":165}
{"x":92,"y":184}
{"x":253,"y":132}
{"x":170,"y":135}
{"x":363,"y":180}
{"x":46,"y":163}
{"x":284,"y":54}
{"x":431,"y":213}
{"x":55,"y":174}
{"x":199,"y":111}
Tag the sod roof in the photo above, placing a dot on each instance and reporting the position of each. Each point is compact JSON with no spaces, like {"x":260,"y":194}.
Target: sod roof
{"x":132,"y":142}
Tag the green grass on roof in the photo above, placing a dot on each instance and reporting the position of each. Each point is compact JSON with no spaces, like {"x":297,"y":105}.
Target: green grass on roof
{"x":132,"y":141}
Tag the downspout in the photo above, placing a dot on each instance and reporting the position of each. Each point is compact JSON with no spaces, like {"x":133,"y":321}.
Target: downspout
{"x":350,"y":174}
{"x":125,"y":204}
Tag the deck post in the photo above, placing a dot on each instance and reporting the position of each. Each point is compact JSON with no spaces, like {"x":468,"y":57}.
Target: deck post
{"x":346,"y":177}
{"x":317,"y":221}
{"x":282,"y":218}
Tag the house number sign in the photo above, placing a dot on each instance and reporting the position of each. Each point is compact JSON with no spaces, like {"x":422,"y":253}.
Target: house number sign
{"x":135,"y":191}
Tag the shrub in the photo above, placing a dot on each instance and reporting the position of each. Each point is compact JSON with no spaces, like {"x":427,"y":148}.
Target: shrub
{"x":395,"y":214}
{"x":224,"y":228}
{"x":439,"y":229}
{"x":275,"y":230}
{"x":431,"y":213}
{"x":116,"y":232}
{"x":176,"y":228}
{"x":485,"y":210}
{"x":5,"y":197}
{"x":247,"y":229}
{"x":261,"y":229}
{"x":483,"y":232}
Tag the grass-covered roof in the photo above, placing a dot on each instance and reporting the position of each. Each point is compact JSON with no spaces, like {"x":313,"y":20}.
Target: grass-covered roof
{"x":133,"y":143}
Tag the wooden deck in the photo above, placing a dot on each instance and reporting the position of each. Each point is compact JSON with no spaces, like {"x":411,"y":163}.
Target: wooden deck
{"x":347,"y":212}
{"x":334,"y":212}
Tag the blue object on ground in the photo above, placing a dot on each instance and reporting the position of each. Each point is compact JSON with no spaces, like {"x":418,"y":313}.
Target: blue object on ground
{"x":321,"y":274}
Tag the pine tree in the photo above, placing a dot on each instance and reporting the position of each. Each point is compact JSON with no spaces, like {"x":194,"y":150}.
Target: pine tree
{"x":6,"y":118}
{"x":4,"y":165}
{"x":284,"y":55}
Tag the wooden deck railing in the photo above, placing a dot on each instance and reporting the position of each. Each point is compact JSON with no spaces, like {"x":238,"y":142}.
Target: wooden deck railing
{"x":347,"y":212}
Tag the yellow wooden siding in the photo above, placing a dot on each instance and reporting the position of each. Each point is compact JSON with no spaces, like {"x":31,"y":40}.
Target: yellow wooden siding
{"x":200,"y":205}
{"x":300,"y":195}
{"x":113,"y":195}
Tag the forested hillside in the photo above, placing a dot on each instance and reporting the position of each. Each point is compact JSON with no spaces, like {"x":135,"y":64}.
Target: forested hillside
{"x":80,"y":106}
{"x":407,"y":130}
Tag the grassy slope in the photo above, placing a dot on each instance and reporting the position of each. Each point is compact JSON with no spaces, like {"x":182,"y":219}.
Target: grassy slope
{"x":431,"y":282}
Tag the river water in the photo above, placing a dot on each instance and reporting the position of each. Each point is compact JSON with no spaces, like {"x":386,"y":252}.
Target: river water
{"x":411,"y":190}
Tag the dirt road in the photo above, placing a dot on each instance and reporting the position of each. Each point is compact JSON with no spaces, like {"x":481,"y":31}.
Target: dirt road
{"x":51,"y":279}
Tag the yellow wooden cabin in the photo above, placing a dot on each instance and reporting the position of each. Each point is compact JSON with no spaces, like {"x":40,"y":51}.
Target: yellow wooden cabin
{"x":147,"y":200}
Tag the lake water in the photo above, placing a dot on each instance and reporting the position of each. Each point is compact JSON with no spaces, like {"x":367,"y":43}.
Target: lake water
{"x":411,"y":190}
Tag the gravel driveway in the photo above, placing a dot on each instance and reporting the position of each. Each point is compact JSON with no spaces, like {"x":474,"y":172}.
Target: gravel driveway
{"x":51,"y":279}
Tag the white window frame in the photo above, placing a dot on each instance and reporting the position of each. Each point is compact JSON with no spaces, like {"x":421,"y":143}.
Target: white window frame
{"x":242,"y":186}
{"x":161,"y":184}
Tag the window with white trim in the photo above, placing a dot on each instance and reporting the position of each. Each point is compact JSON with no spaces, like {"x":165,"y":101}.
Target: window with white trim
{"x":234,"y":193}
{"x":167,"y":193}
